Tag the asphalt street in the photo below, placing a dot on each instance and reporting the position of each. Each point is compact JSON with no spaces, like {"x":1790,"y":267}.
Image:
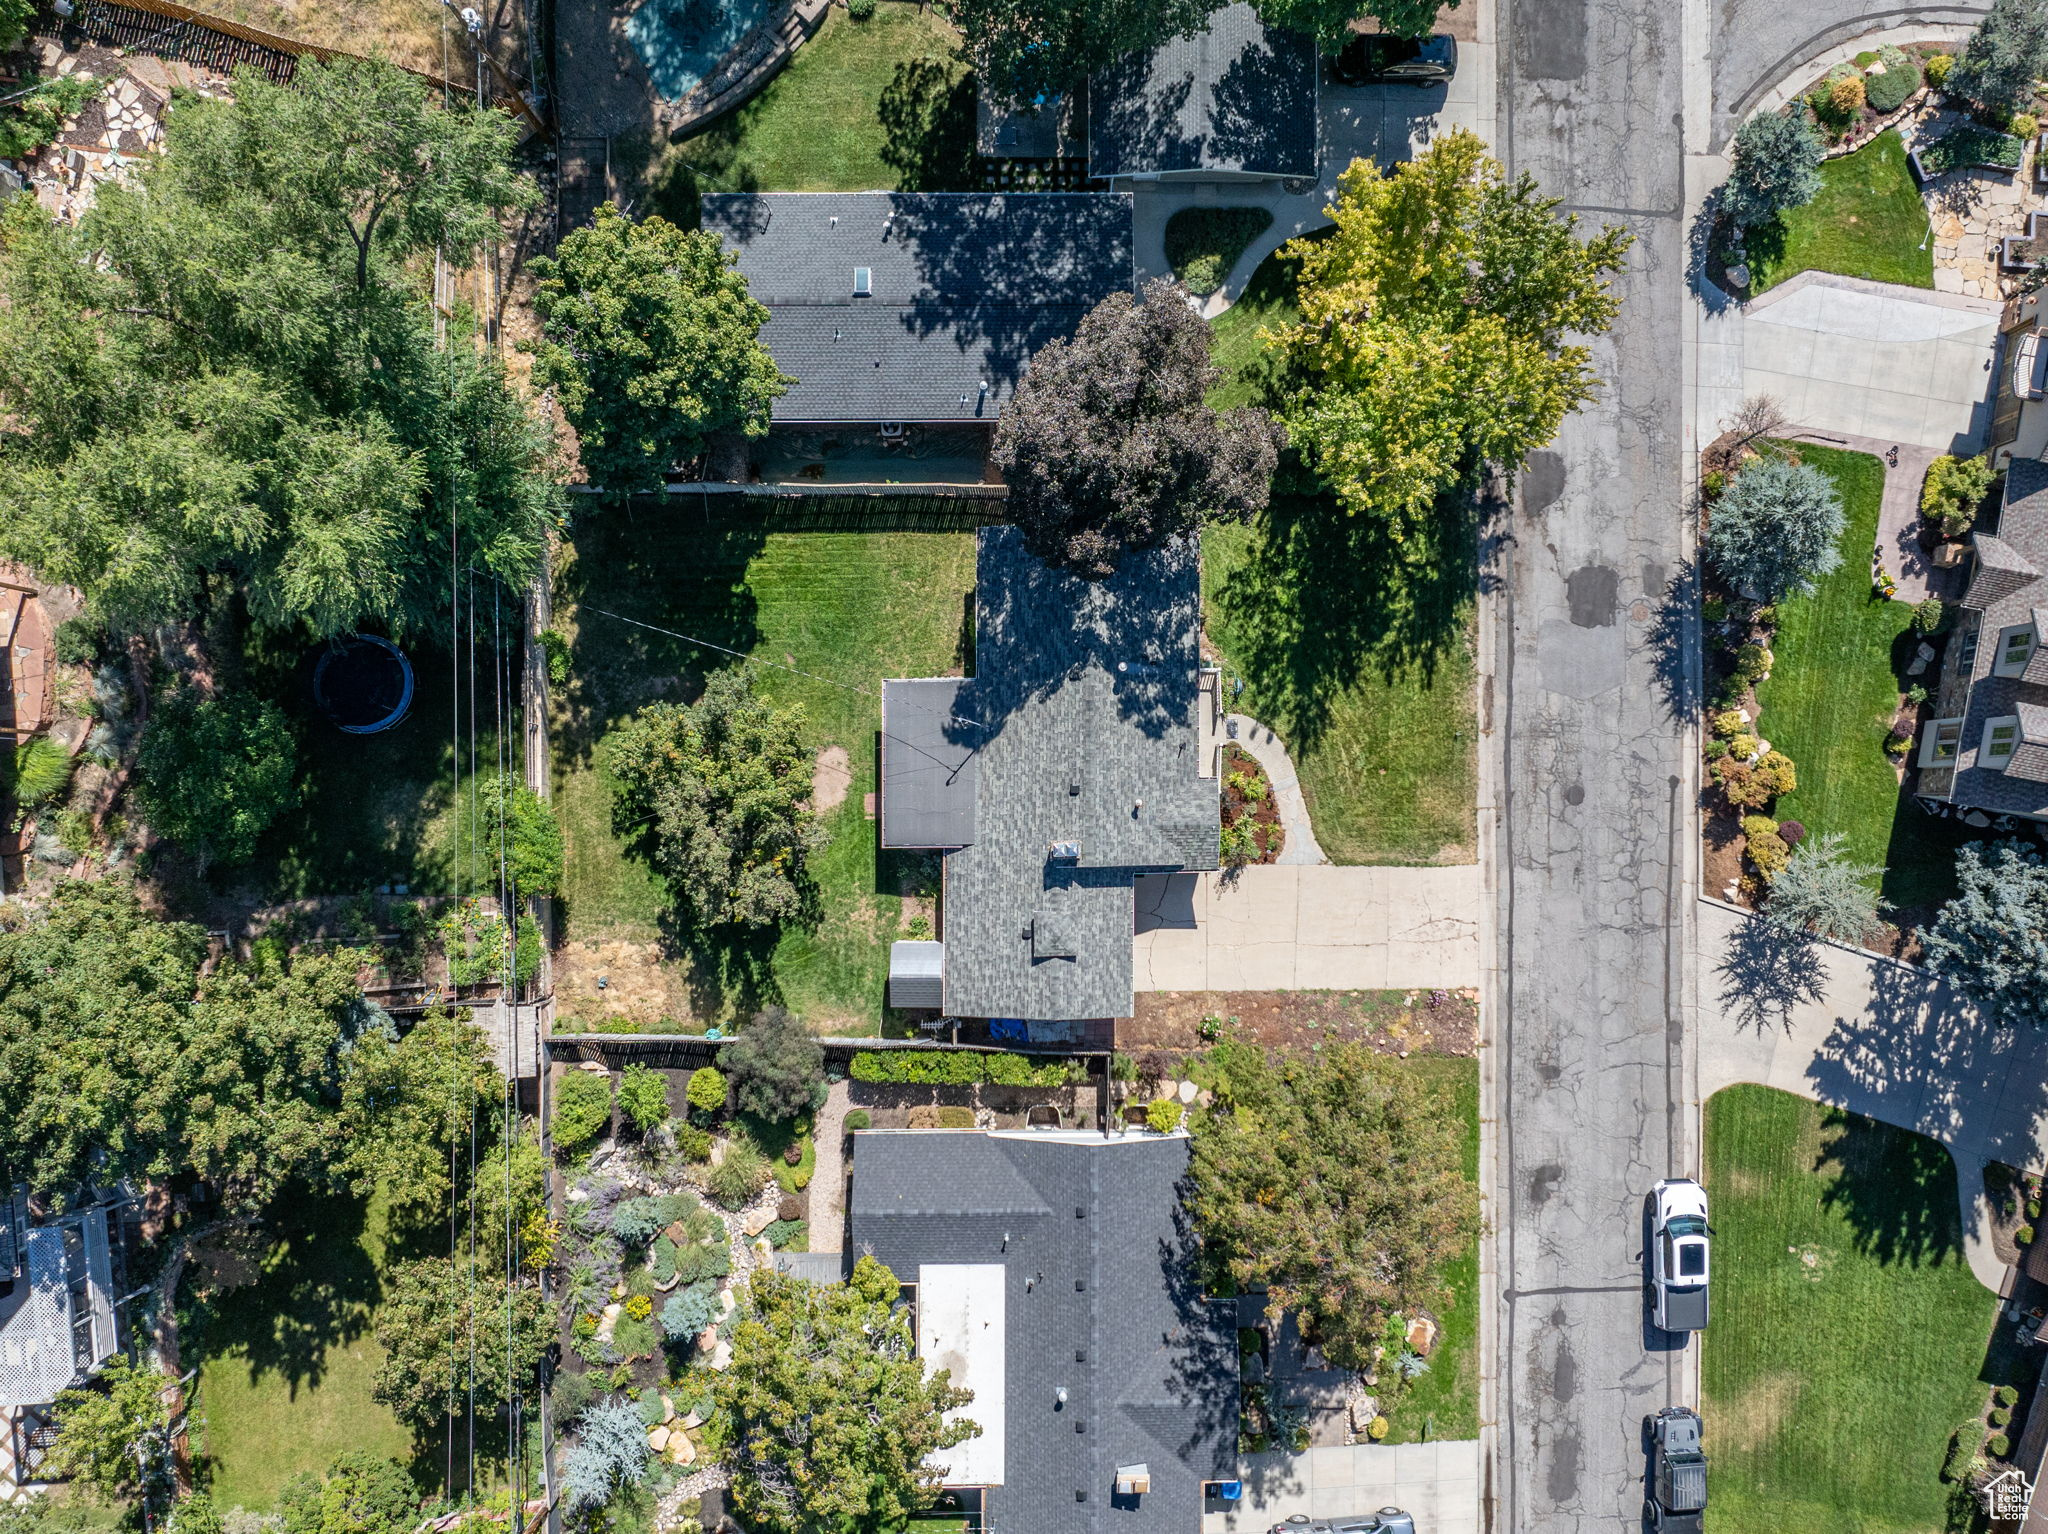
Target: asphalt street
{"x":1592,"y":771}
{"x":1594,"y":839}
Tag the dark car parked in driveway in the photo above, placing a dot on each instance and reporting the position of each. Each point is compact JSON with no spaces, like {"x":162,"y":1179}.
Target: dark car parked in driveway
{"x":1377,"y":59}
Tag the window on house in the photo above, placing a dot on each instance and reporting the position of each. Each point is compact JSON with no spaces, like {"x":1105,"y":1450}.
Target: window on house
{"x":2001,"y":737}
{"x":1966,"y":648}
{"x":2014,"y":646}
{"x":1943,"y":739}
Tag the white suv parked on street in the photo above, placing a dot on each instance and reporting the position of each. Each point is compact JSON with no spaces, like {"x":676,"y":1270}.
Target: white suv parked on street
{"x":1678,"y":1255}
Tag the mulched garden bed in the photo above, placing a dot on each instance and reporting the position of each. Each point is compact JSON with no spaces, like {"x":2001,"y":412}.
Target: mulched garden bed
{"x":1248,"y":796}
{"x":1392,"y":1022}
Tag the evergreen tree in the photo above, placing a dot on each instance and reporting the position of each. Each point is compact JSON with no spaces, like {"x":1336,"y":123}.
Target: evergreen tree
{"x":1775,"y":528}
{"x":1991,"y":941}
{"x":1777,"y":167}
{"x":2004,"y":57}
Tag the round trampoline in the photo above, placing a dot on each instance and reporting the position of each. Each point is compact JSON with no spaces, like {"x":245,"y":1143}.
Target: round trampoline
{"x":363,"y":684}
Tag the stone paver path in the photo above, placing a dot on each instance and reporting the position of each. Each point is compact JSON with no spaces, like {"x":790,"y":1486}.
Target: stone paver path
{"x":1270,"y":752}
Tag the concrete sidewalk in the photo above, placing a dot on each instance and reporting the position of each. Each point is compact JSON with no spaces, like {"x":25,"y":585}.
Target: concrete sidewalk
{"x":1879,"y":1038}
{"x":1435,"y":1483}
{"x":1270,"y":752}
{"x":1273,"y":927}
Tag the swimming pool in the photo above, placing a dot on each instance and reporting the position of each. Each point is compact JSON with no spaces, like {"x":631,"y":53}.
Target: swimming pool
{"x":681,"y":41}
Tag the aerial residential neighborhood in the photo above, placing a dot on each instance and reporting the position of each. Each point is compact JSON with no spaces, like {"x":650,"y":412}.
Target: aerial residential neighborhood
{"x":1023,"y":767}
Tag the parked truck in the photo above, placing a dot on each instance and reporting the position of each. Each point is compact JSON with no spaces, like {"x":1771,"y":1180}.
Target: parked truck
{"x":1677,"y":1501}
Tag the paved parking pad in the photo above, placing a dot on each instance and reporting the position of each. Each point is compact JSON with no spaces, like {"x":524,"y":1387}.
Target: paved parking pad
{"x":1278,"y":928}
{"x":1435,"y":1483}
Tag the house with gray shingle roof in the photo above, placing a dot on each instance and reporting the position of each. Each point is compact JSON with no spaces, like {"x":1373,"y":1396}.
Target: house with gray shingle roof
{"x":1054,"y":1275}
{"x":1986,"y":750}
{"x":57,"y":1323}
{"x":1237,"y":101}
{"x":1082,"y":753}
{"x":910,"y":310}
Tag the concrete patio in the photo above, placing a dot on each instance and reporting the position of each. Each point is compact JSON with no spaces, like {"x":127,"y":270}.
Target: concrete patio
{"x":1436,"y":1483}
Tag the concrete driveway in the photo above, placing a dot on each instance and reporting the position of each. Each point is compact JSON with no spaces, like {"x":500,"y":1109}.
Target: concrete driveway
{"x":1278,"y":928}
{"x":1868,"y":359}
{"x":1435,"y":1483}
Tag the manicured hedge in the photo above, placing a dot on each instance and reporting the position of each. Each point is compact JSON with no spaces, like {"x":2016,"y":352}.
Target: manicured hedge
{"x":936,"y":1067}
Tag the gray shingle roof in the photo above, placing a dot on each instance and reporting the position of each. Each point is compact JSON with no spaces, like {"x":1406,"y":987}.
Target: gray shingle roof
{"x":1238,"y":96}
{"x":2004,"y":590}
{"x":38,"y":1318}
{"x":929,"y":772}
{"x":1087,"y":692}
{"x":964,"y":288}
{"x":1101,"y":1300}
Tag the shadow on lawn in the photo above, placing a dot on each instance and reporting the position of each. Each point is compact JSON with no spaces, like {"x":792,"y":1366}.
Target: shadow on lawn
{"x":927,"y":114}
{"x":1897,"y":1189}
{"x":1322,"y":597}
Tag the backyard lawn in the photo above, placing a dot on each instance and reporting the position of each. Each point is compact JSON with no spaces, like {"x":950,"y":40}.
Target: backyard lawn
{"x":882,"y":104}
{"x":1849,"y":1338}
{"x":286,"y":1362}
{"x":1359,"y":655}
{"x":1868,"y":221}
{"x":849,"y":607}
{"x":1444,"y":1403}
{"x":1831,"y":696}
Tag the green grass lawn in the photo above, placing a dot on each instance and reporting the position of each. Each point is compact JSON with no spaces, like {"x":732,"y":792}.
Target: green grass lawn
{"x":1849,"y":1337}
{"x":286,"y":1363}
{"x":1444,"y":1403}
{"x":1830,"y":699}
{"x":1360,"y":658}
{"x":1868,"y":221}
{"x":849,"y":607}
{"x":882,"y":104}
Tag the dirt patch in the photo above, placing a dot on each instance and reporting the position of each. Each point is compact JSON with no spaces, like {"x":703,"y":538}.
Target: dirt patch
{"x":1721,"y":846}
{"x":640,"y":985}
{"x":1766,"y":1407}
{"x":1393,"y":1022}
{"x":831,"y":777}
{"x":1248,"y":803}
{"x":217,"y":1269}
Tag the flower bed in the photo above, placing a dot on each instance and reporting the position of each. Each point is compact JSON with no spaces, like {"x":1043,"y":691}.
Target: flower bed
{"x":1251,"y":820}
{"x":1967,"y":148}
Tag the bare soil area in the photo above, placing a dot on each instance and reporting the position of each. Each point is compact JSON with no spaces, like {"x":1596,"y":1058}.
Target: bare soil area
{"x":1393,"y":1022}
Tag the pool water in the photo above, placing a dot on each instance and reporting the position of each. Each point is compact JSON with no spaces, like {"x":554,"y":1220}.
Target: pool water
{"x":681,"y":41}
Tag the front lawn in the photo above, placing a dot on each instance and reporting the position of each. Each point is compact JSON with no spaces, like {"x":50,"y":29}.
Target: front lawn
{"x":286,"y":1362}
{"x":1360,"y":655}
{"x":1828,"y":704}
{"x":846,"y":607}
{"x":1868,"y":221}
{"x":1849,"y":1337}
{"x":882,"y":104}
{"x":1444,"y":1403}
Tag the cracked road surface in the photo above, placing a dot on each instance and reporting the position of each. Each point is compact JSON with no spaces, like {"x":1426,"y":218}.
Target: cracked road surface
{"x":1594,"y":788}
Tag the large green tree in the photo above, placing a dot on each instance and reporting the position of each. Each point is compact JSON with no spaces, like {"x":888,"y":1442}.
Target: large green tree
{"x":117,"y":1059}
{"x":651,"y":340}
{"x":1336,"y":1184}
{"x":1329,"y":21}
{"x":228,"y":369}
{"x":405,"y":1103}
{"x":830,"y":1413}
{"x":720,"y":792}
{"x":1440,"y":328}
{"x":1991,"y":941}
{"x":2004,"y":57}
{"x":448,"y":1328}
{"x":1023,"y":47}
{"x":361,"y":1493}
{"x":113,"y":1436}
{"x":217,"y":771}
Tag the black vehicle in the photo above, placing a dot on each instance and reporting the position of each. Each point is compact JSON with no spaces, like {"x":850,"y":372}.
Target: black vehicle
{"x":1678,"y":1473}
{"x":1381,"y":60}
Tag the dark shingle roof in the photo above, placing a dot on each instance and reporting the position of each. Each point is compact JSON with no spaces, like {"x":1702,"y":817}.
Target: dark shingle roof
{"x":1238,"y":96}
{"x":929,"y":776}
{"x":1087,"y":692}
{"x":2005,"y":590}
{"x":965,"y":287}
{"x":1098,"y":1260}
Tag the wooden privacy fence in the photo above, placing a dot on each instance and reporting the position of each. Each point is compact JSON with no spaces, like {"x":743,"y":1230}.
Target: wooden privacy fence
{"x":174,"y":31}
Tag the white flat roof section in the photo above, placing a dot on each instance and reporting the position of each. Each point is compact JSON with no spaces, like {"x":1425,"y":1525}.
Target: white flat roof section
{"x":960,"y":1328}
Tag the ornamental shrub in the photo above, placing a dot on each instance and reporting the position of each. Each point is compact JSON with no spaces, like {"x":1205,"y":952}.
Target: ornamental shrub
{"x":1019,"y":1071}
{"x":1999,"y":1416}
{"x":661,"y":1260}
{"x":1767,"y":849}
{"x":710,"y":1260}
{"x":1792,"y":832}
{"x":1953,"y":491}
{"x":1775,"y":529}
{"x":953,"y":1117}
{"x":860,"y":10}
{"x":1887,"y":92}
{"x":1753,"y":663}
{"x":1937,"y":67}
{"x":2024,"y":125}
{"x":1162,"y":1115}
{"x":706,"y":1091}
{"x":1928,"y":614}
{"x":1729,"y":723}
{"x":583,"y":1107}
{"x":2006,"y":1395}
{"x":1777,"y":773}
{"x":643,"y":1096}
{"x":692,"y":1142}
{"x":1716,"y":750}
{"x":1776,"y":166}
{"x":787,"y":1235}
{"x":1998,"y":1446}
{"x":612,"y":1453}
{"x":639,"y":1307}
{"x":859,"y":1118}
{"x":1845,"y":96}
{"x":689,"y":1310}
{"x":1744,"y":747}
{"x":777,"y":1068}
{"x":739,"y":1177}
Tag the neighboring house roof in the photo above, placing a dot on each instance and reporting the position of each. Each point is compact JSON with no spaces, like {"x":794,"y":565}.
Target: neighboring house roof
{"x":1081,"y":716}
{"x":962,"y":289}
{"x":66,"y":1280}
{"x":1237,"y":96}
{"x":2006,"y":591}
{"x":1099,"y":1298}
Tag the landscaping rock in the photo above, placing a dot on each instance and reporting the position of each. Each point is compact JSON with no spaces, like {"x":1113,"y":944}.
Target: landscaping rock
{"x":694,"y":1420}
{"x":1187,"y":1091}
{"x":1422,"y":1334}
{"x":727,"y":1302}
{"x":606,"y":1320}
{"x":596,"y":1068}
{"x":680,"y":1450}
{"x":668,"y":1409}
{"x":707,"y":1339}
{"x":657,"y":1439}
{"x":758,"y":1220}
{"x":1738,"y":275}
{"x":721,"y":1356}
